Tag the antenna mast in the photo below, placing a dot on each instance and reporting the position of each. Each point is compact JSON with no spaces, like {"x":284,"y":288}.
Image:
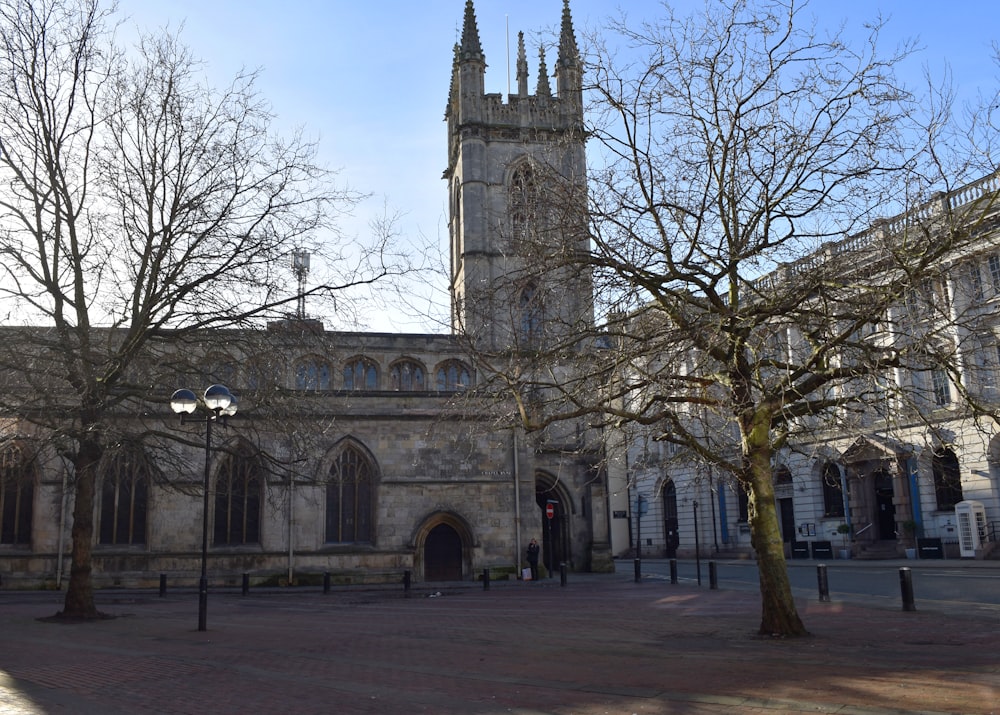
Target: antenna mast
{"x":300,"y":267}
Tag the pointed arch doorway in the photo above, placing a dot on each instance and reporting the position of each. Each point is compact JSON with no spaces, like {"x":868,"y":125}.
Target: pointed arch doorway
{"x":556,"y":546}
{"x":443,"y":554}
{"x":443,"y":544}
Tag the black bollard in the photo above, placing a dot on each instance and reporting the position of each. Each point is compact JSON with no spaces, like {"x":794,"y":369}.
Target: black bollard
{"x":638,"y":570}
{"x":673,"y":570}
{"x":486,"y":579}
{"x":163,"y":585}
{"x":562,"y":573}
{"x":326,"y":582}
{"x":406,"y":583}
{"x":906,"y":588}
{"x":824,"y":586}
{"x":246,"y":583}
{"x":713,"y":577}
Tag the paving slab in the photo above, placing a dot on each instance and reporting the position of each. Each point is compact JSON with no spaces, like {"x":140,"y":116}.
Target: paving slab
{"x":596,"y":646}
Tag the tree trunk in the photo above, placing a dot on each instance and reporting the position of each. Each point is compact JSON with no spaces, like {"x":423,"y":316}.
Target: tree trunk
{"x":79,"y":602}
{"x":779,"y":617}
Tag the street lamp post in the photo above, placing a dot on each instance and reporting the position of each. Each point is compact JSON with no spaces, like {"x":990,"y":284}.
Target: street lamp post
{"x":220,"y":404}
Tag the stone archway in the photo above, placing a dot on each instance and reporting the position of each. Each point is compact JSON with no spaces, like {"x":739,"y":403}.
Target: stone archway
{"x":443,"y":554}
{"x":557,"y":547}
{"x":443,"y":548}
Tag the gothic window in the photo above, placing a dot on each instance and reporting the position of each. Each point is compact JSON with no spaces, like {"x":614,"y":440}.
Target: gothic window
{"x":523,"y":204}
{"x":453,"y":375}
{"x":124,"y":497}
{"x":529,"y":316}
{"x":349,"y":498}
{"x":17,"y":492}
{"x":833,"y":492}
{"x":406,"y":376}
{"x":947,"y":478}
{"x":360,"y":374}
{"x":312,"y":374}
{"x":261,"y":376}
{"x":238,"y":488}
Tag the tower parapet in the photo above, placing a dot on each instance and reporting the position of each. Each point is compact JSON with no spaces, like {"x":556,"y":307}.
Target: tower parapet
{"x":470,"y":107}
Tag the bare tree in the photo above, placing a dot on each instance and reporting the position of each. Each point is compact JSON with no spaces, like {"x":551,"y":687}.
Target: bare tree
{"x":749,"y":289}
{"x":139,"y":200}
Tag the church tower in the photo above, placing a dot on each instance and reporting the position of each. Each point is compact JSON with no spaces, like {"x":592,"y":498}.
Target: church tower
{"x":517,"y":195}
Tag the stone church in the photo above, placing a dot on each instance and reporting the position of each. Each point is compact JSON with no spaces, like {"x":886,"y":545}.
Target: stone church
{"x":363,"y":455}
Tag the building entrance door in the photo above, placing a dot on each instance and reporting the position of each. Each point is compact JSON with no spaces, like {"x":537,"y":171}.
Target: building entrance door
{"x":443,"y":554}
{"x":885,"y":510}
{"x":786,"y":509}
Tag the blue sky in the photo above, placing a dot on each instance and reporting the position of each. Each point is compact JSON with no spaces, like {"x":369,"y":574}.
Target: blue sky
{"x":370,"y":79}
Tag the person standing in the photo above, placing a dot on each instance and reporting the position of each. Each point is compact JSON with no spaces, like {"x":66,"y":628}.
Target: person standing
{"x":533,"y":551}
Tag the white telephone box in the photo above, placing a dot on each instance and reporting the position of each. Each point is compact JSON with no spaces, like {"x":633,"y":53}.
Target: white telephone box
{"x":971,"y":517}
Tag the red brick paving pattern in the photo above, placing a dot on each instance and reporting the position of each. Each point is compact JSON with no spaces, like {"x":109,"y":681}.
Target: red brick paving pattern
{"x":596,"y":647}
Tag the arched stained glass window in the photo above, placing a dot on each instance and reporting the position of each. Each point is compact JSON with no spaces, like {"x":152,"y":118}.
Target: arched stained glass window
{"x":407,"y":375}
{"x":360,"y":374}
{"x":312,"y":374}
{"x":238,"y":487}
{"x":124,"y":497}
{"x":349,"y":494}
{"x":17,"y":494}
{"x":453,"y":375}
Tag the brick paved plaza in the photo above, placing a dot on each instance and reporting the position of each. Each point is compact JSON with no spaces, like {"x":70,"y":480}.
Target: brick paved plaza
{"x":599,"y":645}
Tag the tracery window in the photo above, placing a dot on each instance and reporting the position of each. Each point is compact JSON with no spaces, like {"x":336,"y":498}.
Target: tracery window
{"x":947,"y":478}
{"x":406,"y":376}
{"x":17,"y":493}
{"x":360,"y":374}
{"x":238,"y":486}
{"x":529,"y":315}
{"x":523,"y":202}
{"x":349,"y":494}
{"x":312,"y":374}
{"x":261,"y":376}
{"x":453,"y":375}
{"x":124,"y":498}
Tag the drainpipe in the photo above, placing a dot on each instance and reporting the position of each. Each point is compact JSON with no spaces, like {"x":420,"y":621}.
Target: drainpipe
{"x":517,"y":501}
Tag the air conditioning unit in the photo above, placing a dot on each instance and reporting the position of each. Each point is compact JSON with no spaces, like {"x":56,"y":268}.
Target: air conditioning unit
{"x":971,"y":517}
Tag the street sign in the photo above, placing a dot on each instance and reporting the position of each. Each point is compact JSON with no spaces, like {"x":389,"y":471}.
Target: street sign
{"x":550,"y":511}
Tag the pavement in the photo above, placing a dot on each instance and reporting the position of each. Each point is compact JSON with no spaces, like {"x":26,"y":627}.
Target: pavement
{"x":599,"y":645}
